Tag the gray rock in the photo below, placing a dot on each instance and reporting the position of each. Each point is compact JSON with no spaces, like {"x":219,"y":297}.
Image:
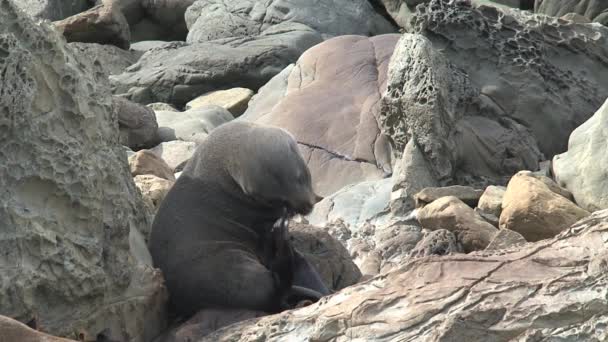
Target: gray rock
{"x":534,"y":293}
{"x":411,"y":175}
{"x":459,"y":103}
{"x":113,"y":60}
{"x":145,"y":45}
{"x":345,"y":147}
{"x":466,"y":194}
{"x":583,"y":168}
{"x":137,"y":123}
{"x":192,"y":125}
{"x":176,"y":73}
{"x":52,"y":9}
{"x":72,"y":253}
{"x":505,"y":238}
{"x":491,"y":200}
{"x":437,"y":242}
{"x":175,"y":153}
{"x":594,"y":10}
{"x":214,"y":19}
{"x":164,"y":107}
{"x":103,"y":24}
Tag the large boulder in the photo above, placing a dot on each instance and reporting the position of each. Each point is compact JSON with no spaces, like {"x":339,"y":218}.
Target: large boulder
{"x":113,"y":60}
{"x":73,"y":256}
{"x":335,"y":126}
{"x":177,"y":72}
{"x":594,"y":10}
{"x":531,"y":208}
{"x":486,"y":93}
{"x":213,"y":19}
{"x":103,"y":24}
{"x":554,"y":290}
{"x":583,"y":169}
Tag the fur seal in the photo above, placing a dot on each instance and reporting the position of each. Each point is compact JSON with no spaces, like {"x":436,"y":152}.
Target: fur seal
{"x":219,"y":234}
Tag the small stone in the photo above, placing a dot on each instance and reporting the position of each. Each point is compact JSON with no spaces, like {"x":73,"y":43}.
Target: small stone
{"x":145,"y":162}
{"x":235,"y":100}
{"x":466,"y":194}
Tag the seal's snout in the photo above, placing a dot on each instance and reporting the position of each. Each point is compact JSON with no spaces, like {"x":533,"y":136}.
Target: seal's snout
{"x":303,"y":208}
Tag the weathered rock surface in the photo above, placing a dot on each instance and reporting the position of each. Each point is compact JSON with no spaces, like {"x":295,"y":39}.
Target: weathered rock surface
{"x":505,"y":296}
{"x":466,"y":194}
{"x":113,"y":60}
{"x":491,"y":200}
{"x":530,"y":208}
{"x":52,"y":9}
{"x":15,"y":331}
{"x":505,"y":238}
{"x":437,"y":242}
{"x":471,"y":230}
{"x":214,"y":19}
{"x":174,"y":153}
{"x":103,"y":24}
{"x":72,"y":252}
{"x":192,"y":125}
{"x":452,"y":86}
{"x":137,"y":123}
{"x":235,"y":100}
{"x":336,"y":127}
{"x":583,"y":168}
{"x":145,"y":162}
{"x":176,"y":73}
{"x":594,"y":10}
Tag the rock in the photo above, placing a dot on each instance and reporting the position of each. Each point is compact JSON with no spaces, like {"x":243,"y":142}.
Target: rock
{"x":491,"y":200}
{"x":582,"y":169}
{"x":235,"y":100}
{"x":174,"y":152}
{"x":176,"y":73}
{"x":411,"y":175}
{"x":437,"y":242}
{"x":395,"y":242}
{"x":137,"y":123}
{"x":112,"y":59}
{"x":450,"y":213}
{"x":505,"y":238}
{"x":13,"y":330}
{"x":594,"y":10}
{"x":466,"y":194}
{"x":530,"y":208}
{"x":159,"y":106}
{"x":144,"y":46}
{"x":72,"y":253}
{"x":153,"y":189}
{"x":102,"y":24}
{"x":458,"y":102}
{"x":131,"y":9}
{"x":577,"y":18}
{"x":216,"y":19}
{"x":345,"y":147}
{"x":145,"y":162}
{"x":170,"y":15}
{"x":534,"y":293}
{"x":354,"y":204}
{"x":192,"y":125}
{"x":490,"y":218}
{"x":326,"y":254}
{"x":52,"y":9}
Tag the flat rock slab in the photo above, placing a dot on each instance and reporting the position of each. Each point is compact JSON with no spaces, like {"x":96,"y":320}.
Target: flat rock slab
{"x":555,"y":289}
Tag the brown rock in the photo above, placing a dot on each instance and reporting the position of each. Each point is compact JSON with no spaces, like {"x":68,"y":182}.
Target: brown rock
{"x":103,"y":24}
{"x":153,"y":189}
{"x":466,"y":194}
{"x":145,"y":162}
{"x":15,"y":331}
{"x":552,"y":290}
{"x":505,"y":238}
{"x":454,"y":215}
{"x":235,"y":100}
{"x":491,"y":200}
{"x":437,"y":242}
{"x":533,"y":210}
